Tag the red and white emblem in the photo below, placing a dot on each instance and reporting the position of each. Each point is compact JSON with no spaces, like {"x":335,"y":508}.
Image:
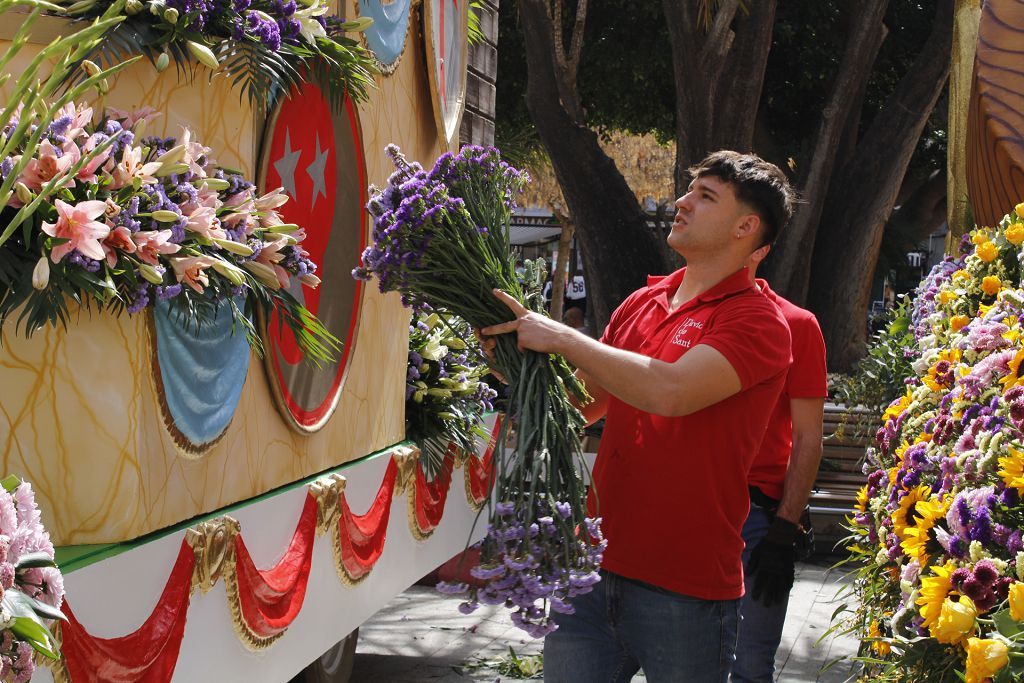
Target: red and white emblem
{"x":447,"y":33}
{"x":316,"y":155}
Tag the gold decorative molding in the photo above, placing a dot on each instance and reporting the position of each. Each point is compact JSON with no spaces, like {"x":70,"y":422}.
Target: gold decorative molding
{"x":327,"y":491}
{"x":407,"y":458}
{"x":214,"y":546}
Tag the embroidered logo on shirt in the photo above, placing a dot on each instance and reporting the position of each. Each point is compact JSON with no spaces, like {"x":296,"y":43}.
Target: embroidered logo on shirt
{"x":685,"y":332}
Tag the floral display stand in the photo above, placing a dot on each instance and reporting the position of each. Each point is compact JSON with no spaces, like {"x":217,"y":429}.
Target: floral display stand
{"x":167,"y":468}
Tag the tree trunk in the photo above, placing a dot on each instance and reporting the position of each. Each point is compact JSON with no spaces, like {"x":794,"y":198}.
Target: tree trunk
{"x":862,"y":196}
{"x":561,"y":262}
{"x":788,"y":267}
{"x":618,"y":248}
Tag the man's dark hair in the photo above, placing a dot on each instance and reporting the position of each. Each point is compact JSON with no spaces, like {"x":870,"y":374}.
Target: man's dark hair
{"x":760,"y":184}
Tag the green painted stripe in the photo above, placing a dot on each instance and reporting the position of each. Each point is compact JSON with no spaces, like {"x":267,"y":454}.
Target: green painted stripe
{"x":73,"y":557}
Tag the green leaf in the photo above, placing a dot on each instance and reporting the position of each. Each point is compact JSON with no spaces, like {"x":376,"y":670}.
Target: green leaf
{"x":20,"y":605}
{"x":1006,"y":624}
{"x":35,"y":634}
{"x":899,"y":325}
{"x":34,"y":560}
{"x":10,"y":482}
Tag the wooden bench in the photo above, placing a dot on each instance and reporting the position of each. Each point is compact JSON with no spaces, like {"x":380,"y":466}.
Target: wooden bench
{"x":846,"y":435}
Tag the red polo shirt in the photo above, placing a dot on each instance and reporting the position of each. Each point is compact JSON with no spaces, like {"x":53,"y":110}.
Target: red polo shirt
{"x":806,"y":379}
{"x":673,"y":490}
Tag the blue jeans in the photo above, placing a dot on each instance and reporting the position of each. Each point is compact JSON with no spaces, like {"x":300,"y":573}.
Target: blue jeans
{"x":760,"y":627}
{"x":625,"y":625}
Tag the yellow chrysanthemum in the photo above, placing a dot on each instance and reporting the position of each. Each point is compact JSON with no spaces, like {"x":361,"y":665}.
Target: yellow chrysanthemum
{"x":983,"y":310}
{"x":987,"y":251}
{"x":1011,"y":469}
{"x":1012,"y":378}
{"x":960,"y":275}
{"x":897,"y":408}
{"x":934,"y":590}
{"x":1015,"y":233}
{"x":979,"y":236}
{"x":946,"y":295}
{"x":958,"y":322}
{"x":985,"y":658}
{"x":991,"y":285}
{"x":880,"y":647}
{"x":1019,"y":209}
{"x":862,"y":499}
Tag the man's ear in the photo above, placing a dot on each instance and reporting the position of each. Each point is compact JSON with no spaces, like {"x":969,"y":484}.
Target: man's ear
{"x":748,"y":226}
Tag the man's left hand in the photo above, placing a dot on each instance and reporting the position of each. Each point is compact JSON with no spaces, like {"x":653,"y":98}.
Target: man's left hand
{"x":534,"y":331}
{"x":773,"y":563}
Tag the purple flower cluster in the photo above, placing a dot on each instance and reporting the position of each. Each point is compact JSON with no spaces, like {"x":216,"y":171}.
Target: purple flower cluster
{"x":523,"y":565}
{"x":924,"y":295}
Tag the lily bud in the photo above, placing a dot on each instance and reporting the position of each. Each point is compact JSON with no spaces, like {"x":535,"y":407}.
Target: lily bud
{"x":418,"y":395}
{"x":310,"y":280}
{"x":234,"y":247}
{"x":150,"y":273}
{"x":232,"y":273}
{"x":90,"y":67}
{"x":357,"y":25}
{"x":171,"y":15}
{"x":263,"y":273}
{"x":156,"y":8}
{"x":212,"y":183}
{"x":443,"y":393}
{"x":281,"y":228}
{"x":162,"y":61}
{"x":41,"y":274}
{"x":203,"y":54}
{"x":103,"y":87}
{"x":133,"y":7}
{"x":22,"y":192}
{"x":165,"y":216}
{"x":170,"y":169}
{"x":173,"y":155}
{"x":455,"y":343}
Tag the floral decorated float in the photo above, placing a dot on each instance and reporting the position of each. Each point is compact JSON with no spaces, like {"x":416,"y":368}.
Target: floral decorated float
{"x":939,"y":527}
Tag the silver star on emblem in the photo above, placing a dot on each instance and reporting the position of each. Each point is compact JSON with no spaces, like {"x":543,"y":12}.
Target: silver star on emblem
{"x":285,"y":166}
{"x":316,"y":172}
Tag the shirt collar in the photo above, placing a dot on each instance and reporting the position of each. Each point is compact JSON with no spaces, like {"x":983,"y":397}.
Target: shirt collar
{"x":664,"y":286}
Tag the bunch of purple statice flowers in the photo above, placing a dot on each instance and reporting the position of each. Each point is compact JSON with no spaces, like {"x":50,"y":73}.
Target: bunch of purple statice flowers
{"x":924,"y":304}
{"x":441,"y":240}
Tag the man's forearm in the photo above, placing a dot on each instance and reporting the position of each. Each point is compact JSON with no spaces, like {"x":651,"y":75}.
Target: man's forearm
{"x":800,"y":476}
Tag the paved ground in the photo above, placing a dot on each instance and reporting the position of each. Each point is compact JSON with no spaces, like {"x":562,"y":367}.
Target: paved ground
{"x":421,"y":637}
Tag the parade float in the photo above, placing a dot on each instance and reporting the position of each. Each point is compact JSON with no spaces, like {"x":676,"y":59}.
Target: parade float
{"x":937,"y":530}
{"x":208,"y":407}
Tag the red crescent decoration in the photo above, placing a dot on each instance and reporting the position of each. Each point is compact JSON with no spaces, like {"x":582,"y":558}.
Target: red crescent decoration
{"x":430,"y":497}
{"x":480,"y":471}
{"x":147,"y":655}
{"x":271,"y":599}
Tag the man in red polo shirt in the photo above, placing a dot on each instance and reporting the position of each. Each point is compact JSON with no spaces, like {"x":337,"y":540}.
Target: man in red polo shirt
{"x":686,"y":374}
{"x":780,"y":483}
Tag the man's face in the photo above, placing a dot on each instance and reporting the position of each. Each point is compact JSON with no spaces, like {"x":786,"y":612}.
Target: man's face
{"x":707,"y":217}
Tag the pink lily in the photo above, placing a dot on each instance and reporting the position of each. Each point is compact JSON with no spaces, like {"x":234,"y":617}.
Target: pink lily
{"x":129,"y":119}
{"x":88,"y":172}
{"x":270,"y":255}
{"x":193,"y":151}
{"x":119,"y":239}
{"x":47,"y":166}
{"x":80,"y":118}
{"x":189,"y":270}
{"x":150,"y":244}
{"x":79,"y":226}
{"x":131,"y":167}
{"x":203,"y":221}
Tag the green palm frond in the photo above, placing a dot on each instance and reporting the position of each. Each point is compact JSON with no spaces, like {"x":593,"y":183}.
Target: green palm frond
{"x":259,"y":73}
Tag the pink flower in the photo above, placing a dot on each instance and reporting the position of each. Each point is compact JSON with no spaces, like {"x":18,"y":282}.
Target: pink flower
{"x":119,"y":239}
{"x":203,"y":221}
{"x":129,"y":119}
{"x":88,"y":172}
{"x":47,"y":166}
{"x":193,"y":152}
{"x":80,"y":118}
{"x":190,"y":270}
{"x":8,"y":515}
{"x":150,"y":244}
{"x":131,"y":167}
{"x":79,"y":226}
{"x":271,"y":256}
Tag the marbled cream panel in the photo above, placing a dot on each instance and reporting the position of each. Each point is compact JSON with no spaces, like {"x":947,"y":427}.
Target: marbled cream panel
{"x":79,"y":415}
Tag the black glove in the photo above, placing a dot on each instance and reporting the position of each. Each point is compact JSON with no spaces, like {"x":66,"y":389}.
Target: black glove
{"x":772,"y":563}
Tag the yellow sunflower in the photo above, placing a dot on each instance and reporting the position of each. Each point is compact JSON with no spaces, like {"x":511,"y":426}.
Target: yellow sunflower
{"x":862,"y":499}
{"x":914,"y":540}
{"x":881,"y":647}
{"x":1011,"y":469}
{"x":897,"y":408}
{"x":1013,"y":378}
{"x":934,"y":591}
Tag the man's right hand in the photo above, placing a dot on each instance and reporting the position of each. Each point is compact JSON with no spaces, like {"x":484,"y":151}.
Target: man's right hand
{"x":487,"y":345}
